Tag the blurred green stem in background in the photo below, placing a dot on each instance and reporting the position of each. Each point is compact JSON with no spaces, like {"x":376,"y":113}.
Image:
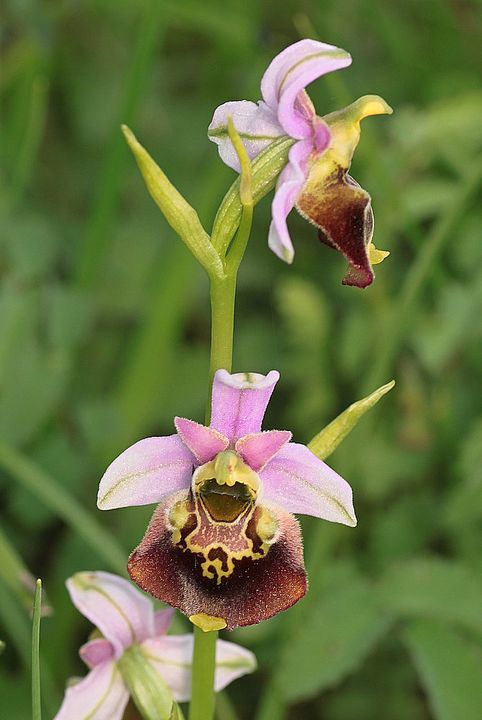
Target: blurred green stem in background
{"x":14,"y":573}
{"x":440,"y":233}
{"x":64,"y":505}
{"x":97,"y":233}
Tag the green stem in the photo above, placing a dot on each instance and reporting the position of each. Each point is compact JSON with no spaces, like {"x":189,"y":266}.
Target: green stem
{"x":203,"y":667}
{"x":36,"y":697}
{"x":223,"y":296}
{"x":222,"y":329}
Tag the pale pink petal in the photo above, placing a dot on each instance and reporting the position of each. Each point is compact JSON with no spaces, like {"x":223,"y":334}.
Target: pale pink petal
{"x":172,"y":657}
{"x":101,"y":695}
{"x":290,"y":72}
{"x":97,"y":651}
{"x":257,"y":449}
{"x":204,"y":442}
{"x":239,"y":402}
{"x":162,"y":621}
{"x":256,"y":124}
{"x":289,"y":186}
{"x":146,"y":472}
{"x":121,"y":612}
{"x":298,"y":481}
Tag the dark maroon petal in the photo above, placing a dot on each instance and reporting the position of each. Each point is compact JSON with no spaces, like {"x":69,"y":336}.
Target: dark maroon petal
{"x":341,"y":210}
{"x":243,"y":571}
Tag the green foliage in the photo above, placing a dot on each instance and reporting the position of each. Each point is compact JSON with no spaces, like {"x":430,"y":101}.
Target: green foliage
{"x":436,"y":589}
{"x":339,"y":629}
{"x":449,"y":669}
{"x":104,"y":333}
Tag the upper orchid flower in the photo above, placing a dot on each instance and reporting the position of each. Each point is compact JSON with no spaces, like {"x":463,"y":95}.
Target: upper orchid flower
{"x":223,"y":546}
{"x":131,"y":630}
{"x":316,"y":179}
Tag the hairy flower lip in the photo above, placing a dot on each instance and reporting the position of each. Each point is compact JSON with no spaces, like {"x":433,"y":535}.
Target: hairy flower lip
{"x":218,"y":535}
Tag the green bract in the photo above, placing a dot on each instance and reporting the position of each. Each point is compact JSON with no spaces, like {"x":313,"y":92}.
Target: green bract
{"x":328,"y":439}
{"x":177,"y":211}
{"x":265,"y":170}
{"x":149,"y":692}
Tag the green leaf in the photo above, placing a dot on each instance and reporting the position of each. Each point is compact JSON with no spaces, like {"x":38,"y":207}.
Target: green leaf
{"x":449,"y":669}
{"x":343,"y":626}
{"x":328,"y":439}
{"x":435,"y":589}
{"x":179,"y":214}
{"x":36,"y":696}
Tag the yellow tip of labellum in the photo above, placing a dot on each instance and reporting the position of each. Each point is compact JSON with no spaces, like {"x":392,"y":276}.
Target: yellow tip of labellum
{"x":371,"y":105}
{"x":208,"y":623}
{"x":376,"y":256}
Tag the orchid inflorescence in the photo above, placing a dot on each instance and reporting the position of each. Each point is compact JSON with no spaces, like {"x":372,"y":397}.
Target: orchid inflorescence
{"x":223,"y":545}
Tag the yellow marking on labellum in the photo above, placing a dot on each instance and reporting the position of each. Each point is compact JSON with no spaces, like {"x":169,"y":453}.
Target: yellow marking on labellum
{"x":208,"y":623}
{"x":224,"y":492}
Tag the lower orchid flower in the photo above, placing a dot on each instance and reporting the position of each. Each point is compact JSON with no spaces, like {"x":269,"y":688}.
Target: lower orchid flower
{"x":132,"y":639}
{"x":223,"y":545}
{"x":316,"y":179}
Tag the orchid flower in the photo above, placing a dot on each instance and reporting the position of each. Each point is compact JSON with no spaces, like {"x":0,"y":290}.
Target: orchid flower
{"x":223,"y":545}
{"x":316,"y":179}
{"x":129,"y":628}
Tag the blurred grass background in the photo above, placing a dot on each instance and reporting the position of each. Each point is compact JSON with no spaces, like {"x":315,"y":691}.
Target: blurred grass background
{"x":104,"y":333}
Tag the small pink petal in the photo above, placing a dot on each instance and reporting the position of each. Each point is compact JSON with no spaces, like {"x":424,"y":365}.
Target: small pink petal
{"x":290,"y":72}
{"x":172,"y":658}
{"x":96,"y":651}
{"x":321,"y":135}
{"x":256,"y":124}
{"x":101,"y":695}
{"x":257,"y":449}
{"x":239,"y":402}
{"x":289,"y":187}
{"x":123,"y":614}
{"x":145,"y":473}
{"x":204,"y":442}
{"x":298,"y":481}
{"x":162,"y":621}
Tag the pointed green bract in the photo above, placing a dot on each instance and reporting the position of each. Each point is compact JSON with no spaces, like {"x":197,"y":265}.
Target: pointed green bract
{"x":37,"y":607}
{"x":150,"y":693}
{"x":328,"y":439}
{"x":240,"y":241}
{"x":176,"y":712}
{"x":265,"y":170}
{"x":245,"y":190}
{"x":179,"y":214}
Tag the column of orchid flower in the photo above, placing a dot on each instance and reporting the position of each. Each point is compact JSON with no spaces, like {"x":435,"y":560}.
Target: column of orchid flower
{"x":223,"y":545}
